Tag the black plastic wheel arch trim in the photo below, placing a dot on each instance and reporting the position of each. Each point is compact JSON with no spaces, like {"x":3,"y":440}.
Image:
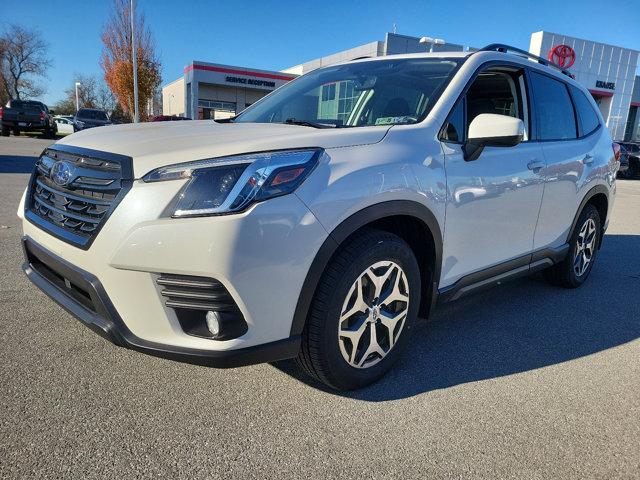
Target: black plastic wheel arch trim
{"x":348,"y":227}
{"x":106,"y":322}
{"x":598,"y":189}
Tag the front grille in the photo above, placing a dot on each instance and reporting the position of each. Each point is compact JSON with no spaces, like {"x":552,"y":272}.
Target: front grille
{"x":72,"y":193}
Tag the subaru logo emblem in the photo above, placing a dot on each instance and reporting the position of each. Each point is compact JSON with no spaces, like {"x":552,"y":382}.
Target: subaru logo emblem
{"x":61,"y":173}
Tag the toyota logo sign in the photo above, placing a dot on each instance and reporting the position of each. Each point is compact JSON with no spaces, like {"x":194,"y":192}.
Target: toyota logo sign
{"x":562,"y":55}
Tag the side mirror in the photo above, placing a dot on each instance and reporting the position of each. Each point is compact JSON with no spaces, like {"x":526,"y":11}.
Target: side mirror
{"x":52,"y":112}
{"x":492,"y":130}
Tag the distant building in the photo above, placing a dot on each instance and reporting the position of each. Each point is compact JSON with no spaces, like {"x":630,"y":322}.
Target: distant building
{"x":609,"y":72}
{"x":393,"y":44}
{"x":208,"y":90}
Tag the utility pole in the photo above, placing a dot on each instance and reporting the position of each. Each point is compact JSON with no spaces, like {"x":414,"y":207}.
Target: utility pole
{"x":136,"y":115}
{"x":77,"y":100}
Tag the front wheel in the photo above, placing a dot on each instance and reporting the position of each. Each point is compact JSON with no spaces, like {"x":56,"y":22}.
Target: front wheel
{"x":364,"y":309}
{"x":574,"y":270}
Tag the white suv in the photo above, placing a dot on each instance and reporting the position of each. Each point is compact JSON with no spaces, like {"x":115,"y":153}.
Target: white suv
{"x":324,"y":219}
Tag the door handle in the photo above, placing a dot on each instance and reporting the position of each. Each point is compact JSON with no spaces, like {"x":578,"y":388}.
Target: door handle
{"x":535,"y":165}
{"x":587,"y":160}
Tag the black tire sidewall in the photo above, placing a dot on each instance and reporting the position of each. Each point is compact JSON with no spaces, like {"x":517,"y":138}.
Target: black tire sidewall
{"x":589,"y":212}
{"x":391,"y":248}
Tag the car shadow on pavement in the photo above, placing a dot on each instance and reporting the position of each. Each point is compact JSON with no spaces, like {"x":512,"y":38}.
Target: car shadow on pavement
{"x":16,"y":164}
{"x":521,"y":326}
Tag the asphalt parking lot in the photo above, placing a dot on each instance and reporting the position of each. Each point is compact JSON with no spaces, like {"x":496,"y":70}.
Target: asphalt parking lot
{"x":525,"y":381}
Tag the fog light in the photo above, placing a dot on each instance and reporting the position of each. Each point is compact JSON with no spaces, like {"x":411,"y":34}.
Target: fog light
{"x":213,"y":322}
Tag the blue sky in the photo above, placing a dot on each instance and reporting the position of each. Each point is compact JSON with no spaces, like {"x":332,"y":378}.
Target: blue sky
{"x":275,"y":35}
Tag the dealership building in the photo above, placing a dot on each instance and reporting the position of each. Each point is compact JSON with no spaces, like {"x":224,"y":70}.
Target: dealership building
{"x":209,"y":90}
{"x":608,"y":72}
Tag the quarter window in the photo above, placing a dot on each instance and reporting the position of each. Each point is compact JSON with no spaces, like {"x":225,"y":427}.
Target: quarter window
{"x":587,"y":118}
{"x":554,"y":111}
{"x":454,"y":130}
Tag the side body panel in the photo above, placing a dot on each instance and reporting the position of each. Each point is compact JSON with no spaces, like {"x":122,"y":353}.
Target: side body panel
{"x":404,"y":166}
{"x":492,"y":208}
{"x":573,"y":168}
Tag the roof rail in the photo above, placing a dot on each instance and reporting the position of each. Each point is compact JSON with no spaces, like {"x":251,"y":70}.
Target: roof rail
{"x":500,"y":47}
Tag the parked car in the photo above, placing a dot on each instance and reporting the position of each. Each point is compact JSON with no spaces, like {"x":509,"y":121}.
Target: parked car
{"x":623,"y":170}
{"x":300,"y":230}
{"x":631,"y":157}
{"x":26,"y":115}
{"x":65,"y":125}
{"x":168,"y":118}
{"x":91,"y":117}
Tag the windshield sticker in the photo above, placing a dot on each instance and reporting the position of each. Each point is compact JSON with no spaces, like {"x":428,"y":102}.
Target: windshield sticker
{"x":395,"y":120}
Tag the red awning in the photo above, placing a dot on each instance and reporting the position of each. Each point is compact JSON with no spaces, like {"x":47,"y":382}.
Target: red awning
{"x":600,"y":93}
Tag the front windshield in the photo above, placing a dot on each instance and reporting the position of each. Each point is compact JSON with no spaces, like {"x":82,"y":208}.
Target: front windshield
{"x":383,"y":92}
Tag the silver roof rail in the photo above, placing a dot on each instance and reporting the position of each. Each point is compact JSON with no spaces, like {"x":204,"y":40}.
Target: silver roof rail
{"x":500,"y":47}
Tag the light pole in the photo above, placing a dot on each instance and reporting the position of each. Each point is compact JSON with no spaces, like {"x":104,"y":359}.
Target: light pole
{"x":431,"y":42}
{"x":77,"y":100}
{"x":136,"y":115}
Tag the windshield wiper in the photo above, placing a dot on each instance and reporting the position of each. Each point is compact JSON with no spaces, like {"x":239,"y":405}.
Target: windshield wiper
{"x":305,"y":123}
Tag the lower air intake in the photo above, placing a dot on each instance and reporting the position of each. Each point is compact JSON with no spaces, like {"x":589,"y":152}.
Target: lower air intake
{"x":193,"y":297}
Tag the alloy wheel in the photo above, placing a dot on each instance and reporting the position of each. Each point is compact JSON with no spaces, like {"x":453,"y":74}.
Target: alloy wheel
{"x":585,"y":247}
{"x":373,"y":314}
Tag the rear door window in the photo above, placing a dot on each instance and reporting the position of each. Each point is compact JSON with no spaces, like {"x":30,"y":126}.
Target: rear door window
{"x":553,"y":107}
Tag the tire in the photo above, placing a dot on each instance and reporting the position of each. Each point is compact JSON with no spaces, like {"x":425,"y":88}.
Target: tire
{"x":572,"y":271}
{"x":6,"y":131}
{"x":328,"y":355}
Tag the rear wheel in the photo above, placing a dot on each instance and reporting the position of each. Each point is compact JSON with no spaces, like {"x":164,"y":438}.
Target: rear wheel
{"x":584,"y":243}
{"x":363,"y":311}
{"x":5,"y":131}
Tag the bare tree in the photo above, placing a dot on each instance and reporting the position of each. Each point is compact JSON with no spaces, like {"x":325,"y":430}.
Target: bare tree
{"x":105,"y":100}
{"x":23,"y":58}
{"x":92,"y":93}
{"x":4,"y":94}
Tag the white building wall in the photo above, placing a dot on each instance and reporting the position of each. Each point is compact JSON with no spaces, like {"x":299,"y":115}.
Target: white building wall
{"x":173,"y":98}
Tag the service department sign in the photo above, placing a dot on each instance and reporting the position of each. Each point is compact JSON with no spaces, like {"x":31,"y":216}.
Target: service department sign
{"x":250,"y":81}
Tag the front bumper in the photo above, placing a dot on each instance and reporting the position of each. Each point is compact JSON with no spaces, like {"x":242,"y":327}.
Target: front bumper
{"x":82,"y":295}
{"x":260,"y":256}
{"x":27,"y":125}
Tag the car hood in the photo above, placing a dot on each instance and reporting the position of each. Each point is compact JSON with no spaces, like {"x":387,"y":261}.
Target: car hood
{"x":156,"y":144}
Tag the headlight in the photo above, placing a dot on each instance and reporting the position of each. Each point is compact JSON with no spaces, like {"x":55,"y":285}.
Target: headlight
{"x":230,"y":184}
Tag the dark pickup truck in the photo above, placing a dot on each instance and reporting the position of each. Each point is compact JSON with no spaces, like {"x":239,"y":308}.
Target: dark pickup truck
{"x":27,"y":115}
